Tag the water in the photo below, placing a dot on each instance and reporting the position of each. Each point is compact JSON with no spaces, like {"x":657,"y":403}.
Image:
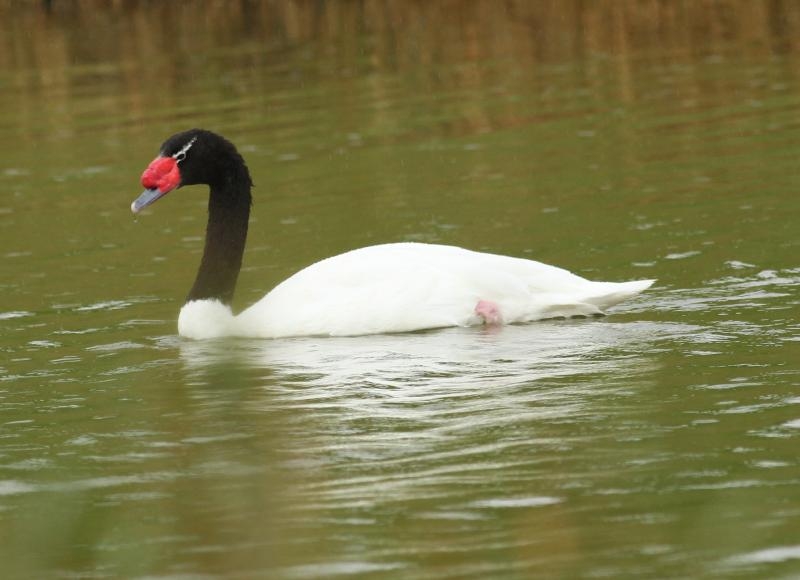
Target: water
{"x":620,"y":140}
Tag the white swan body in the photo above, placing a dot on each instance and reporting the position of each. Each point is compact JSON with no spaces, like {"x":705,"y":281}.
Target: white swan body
{"x":403,"y":287}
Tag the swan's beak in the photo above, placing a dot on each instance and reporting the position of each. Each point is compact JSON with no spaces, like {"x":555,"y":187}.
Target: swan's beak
{"x":160,"y":177}
{"x":148,"y":196}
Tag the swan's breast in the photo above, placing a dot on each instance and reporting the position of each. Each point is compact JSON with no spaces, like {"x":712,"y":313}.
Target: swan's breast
{"x":201,"y":319}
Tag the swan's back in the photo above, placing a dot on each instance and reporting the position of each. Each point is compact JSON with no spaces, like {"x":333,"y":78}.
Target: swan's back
{"x":409,"y":286}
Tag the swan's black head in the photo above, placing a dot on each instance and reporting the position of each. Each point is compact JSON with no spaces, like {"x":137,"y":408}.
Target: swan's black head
{"x":193,"y":157}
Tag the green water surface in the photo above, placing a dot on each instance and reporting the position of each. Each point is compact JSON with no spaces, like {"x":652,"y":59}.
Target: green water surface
{"x":620,"y":140}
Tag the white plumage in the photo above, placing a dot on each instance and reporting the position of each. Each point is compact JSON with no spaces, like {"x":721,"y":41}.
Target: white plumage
{"x":404,"y":287}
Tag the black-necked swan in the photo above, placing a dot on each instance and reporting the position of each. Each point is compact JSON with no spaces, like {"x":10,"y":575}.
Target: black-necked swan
{"x":385,"y":288}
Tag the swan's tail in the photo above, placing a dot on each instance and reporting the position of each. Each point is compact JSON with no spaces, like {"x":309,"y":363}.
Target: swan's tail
{"x":594,"y":298}
{"x":606,"y":294}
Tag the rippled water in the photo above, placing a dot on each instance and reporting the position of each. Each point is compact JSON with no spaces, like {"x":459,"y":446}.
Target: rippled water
{"x":626,"y":142}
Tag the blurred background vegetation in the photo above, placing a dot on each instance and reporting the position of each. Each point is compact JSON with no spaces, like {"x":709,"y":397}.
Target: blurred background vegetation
{"x":147,"y":49}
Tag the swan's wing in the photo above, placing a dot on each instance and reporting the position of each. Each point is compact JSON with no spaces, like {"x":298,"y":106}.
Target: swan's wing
{"x":361,"y":292}
{"x":402,"y":287}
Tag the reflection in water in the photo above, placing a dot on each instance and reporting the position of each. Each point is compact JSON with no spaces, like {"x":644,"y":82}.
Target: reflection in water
{"x":151,"y":56}
{"x":430,"y":424}
{"x":469,"y":358}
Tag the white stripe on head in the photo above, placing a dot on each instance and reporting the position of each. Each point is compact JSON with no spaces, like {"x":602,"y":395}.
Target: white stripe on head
{"x":181,"y":155}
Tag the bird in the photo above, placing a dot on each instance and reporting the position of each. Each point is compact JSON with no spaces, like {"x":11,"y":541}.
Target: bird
{"x":386,"y":288}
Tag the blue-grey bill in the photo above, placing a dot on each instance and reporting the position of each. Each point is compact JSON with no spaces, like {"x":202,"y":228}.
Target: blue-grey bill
{"x":147,"y":197}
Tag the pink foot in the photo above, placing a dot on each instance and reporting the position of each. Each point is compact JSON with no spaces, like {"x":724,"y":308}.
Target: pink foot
{"x":489,"y":311}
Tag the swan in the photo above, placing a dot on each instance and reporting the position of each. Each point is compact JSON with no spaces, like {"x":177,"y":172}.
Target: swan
{"x":394,"y":287}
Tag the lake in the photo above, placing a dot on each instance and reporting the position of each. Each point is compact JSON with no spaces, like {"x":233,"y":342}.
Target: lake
{"x":621,"y":140}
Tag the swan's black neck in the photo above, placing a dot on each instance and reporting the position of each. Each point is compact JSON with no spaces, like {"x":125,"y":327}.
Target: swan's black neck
{"x":226,"y":233}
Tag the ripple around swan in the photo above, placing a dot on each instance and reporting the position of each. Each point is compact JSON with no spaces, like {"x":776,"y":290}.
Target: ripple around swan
{"x":469,"y":357}
{"x":764,"y":289}
{"x":425,"y":401}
